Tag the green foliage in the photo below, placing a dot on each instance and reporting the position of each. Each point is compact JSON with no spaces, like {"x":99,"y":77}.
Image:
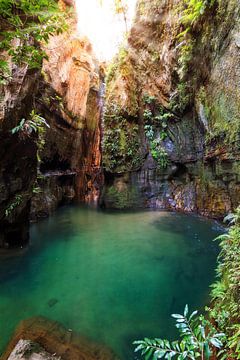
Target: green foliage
{"x":199,"y":338}
{"x":192,"y":10}
{"x":36,"y":124}
{"x":149,"y":99}
{"x":159,"y":153}
{"x":226,"y":290}
{"x":121,"y":142}
{"x":36,"y":189}
{"x":185,"y":56}
{"x":111,"y":71}
{"x":182,"y":99}
{"x":13,"y":205}
{"x":156,"y":118}
{"x":149,"y":132}
{"x":4,"y":69}
{"x":224,"y":117}
{"x":119,"y":65}
{"x":222,"y":114}
{"x":24,"y":24}
{"x":148,"y":115}
{"x":124,"y":199}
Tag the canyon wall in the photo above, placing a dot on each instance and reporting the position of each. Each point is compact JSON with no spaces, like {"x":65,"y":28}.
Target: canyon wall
{"x":18,"y":165}
{"x":61,"y":162}
{"x":70,"y":100}
{"x":172,"y":116}
{"x":170,"y":128}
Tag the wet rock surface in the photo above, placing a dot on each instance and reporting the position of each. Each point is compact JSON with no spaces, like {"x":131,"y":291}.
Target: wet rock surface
{"x":26,"y":349}
{"x":18,"y":165}
{"x":33,"y":182}
{"x":42,"y":339}
{"x":199,"y":108}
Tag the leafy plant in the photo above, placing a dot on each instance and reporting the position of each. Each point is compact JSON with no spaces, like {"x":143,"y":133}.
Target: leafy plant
{"x":36,"y":189}
{"x":190,"y":12}
{"x":25,"y":24}
{"x":13,"y":205}
{"x":193,"y":9}
{"x":148,"y":99}
{"x":148,"y":115}
{"x":121,"y":142}
{"x":149,"y":132}
{"x":36,"y":123}
{"x":225,"y":293}
{"x":199,"y":339}
{"x":159,"y":153}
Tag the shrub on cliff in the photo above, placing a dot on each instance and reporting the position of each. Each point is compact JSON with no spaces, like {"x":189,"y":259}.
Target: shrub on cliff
{"x":23,"y":25}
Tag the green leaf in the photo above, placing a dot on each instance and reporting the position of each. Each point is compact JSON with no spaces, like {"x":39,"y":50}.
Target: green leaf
{"x":207,"y":350}
{"x":194,"y":313}
{"x":158,"y":354}
{"x":177,"y":316}
{"x":147,"y":357}
{"x":139,"y":347}
{"x":216,"y":342}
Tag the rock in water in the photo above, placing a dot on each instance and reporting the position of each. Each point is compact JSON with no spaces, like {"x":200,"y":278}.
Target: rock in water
{"x":26,"y":349}
{"x":50,"y":339}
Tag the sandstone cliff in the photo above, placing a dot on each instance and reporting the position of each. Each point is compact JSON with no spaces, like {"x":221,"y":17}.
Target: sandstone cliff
{"x":170,"y":133}
{"x":171,"y":124}
{"x":18,"y":165}
{"x":70,"y":100}
{"x":41,"y":171}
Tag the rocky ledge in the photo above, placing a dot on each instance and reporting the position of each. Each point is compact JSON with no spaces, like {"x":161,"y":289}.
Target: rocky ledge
{"x":41,"y":339}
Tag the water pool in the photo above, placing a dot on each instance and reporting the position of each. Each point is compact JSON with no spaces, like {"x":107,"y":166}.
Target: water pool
{"x":112,"y":276}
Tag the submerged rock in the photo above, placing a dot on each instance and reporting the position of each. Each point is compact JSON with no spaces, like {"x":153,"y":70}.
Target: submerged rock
{"x":28,"y":350}
{"x":50,"y":339}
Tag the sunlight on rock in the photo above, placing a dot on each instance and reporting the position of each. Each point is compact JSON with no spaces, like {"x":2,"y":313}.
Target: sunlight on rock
{"x":105,"y":29}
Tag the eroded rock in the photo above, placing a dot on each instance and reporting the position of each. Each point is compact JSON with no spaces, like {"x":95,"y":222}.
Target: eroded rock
{"x":53,"y":340}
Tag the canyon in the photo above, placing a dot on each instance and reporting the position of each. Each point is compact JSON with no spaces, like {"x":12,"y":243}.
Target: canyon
{"x":157,"y":127}
{"x":97,"y":150}
{"x":202,"y":170}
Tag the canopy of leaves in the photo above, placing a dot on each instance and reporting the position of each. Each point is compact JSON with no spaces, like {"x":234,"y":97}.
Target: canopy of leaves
{"x":23,"y":26}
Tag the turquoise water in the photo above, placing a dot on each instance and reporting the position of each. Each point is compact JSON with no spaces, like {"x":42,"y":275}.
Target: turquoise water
{"x":114,"y":277}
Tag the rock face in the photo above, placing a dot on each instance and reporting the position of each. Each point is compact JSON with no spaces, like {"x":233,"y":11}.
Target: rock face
{"x":26,"y":349}
{"x":70,"y":101}
{"x":172,"y":116}
{"x":53,"y":340}
{"x":171,"y":121}
{"x":18,"y":165}
{"x":37,"y":174}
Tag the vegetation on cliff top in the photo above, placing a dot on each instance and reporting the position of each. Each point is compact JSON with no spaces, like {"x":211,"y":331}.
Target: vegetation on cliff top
{"x":23,"y":25}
